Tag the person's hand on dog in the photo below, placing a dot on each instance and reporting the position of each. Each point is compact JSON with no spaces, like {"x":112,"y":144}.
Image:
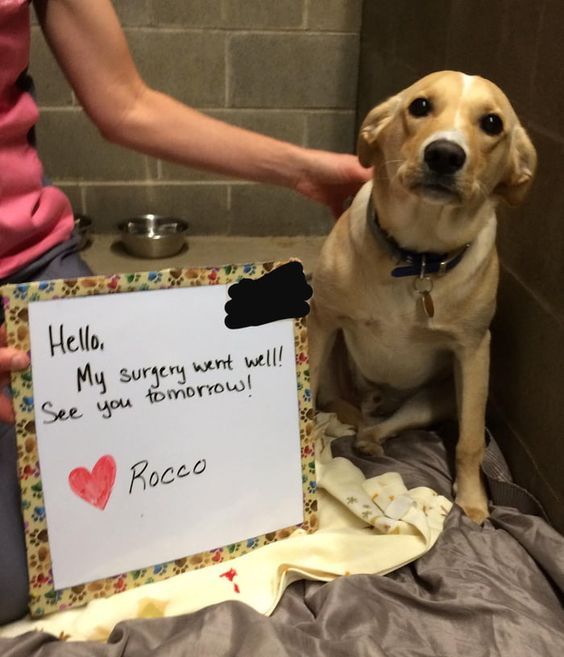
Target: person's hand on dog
{"x":10,"y":360}
{"x":331,"y":179}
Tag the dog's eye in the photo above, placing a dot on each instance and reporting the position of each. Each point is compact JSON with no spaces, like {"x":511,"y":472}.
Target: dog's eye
{"x":491,"y":124}
{"x":420,"y":107}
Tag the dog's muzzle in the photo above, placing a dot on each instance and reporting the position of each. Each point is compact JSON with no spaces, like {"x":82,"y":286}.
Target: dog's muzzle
{"x":437,"y":176}
{"x":444,"y":157}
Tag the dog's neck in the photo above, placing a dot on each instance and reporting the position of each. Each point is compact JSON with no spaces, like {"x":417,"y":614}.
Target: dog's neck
{"x":418,"y":225}
{"x":412,"y":263}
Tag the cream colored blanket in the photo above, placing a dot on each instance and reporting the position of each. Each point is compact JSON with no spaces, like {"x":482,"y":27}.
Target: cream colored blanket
{"x":365,"y":526}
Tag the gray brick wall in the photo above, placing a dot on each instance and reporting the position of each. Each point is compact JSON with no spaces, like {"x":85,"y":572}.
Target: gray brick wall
{"x":285,"y":68}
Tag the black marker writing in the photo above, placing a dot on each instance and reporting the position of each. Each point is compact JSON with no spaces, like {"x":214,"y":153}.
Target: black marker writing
{"x":62,"y":415}
{"x":168,"y":476}
{"x":85,"y":340}
{"x":155,"y":373}
{"x":84,"y":375}
{"x":271,"y":358}
{"x":216,"y":364}
{"x":108,"y":406}
{"x":199,"y":391}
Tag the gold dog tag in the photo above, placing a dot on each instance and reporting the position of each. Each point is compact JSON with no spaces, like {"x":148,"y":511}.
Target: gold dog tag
{"x":423,"y":285}
{"x":428,"y":305}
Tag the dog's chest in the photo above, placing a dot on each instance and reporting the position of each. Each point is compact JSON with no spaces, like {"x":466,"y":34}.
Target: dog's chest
{"x":393,"y":342}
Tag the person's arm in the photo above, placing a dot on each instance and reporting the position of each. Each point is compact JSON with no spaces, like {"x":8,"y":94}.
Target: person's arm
{"x":10,"y":360}
{"x":91,"y":48}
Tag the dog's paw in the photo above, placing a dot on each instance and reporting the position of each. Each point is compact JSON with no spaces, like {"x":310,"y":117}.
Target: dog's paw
{"x":477,"y":514}
{"x":474,"y":505}
{"x":367,"y":442}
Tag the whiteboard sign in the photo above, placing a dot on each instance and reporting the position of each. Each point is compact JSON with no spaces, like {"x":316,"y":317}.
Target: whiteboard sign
{"x":161,"y":433}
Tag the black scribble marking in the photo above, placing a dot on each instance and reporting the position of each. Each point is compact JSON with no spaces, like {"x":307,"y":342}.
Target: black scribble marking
{"x":280,"y":294}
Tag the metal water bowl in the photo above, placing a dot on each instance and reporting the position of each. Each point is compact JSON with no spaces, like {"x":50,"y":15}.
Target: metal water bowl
{"x":153,"y":236}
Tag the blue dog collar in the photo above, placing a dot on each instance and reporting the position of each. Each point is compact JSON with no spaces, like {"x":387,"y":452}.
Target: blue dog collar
{"x":415,"y":263}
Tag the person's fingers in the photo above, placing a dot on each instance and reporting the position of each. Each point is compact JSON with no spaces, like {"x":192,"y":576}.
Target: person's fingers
{"x":10,"y":360}
{"x":13,"y":359}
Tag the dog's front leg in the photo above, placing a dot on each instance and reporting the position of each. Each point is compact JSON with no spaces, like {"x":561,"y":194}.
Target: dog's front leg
{"x":321,"y":338}
{"x":472,"y":375}
{"x":432,"y":403}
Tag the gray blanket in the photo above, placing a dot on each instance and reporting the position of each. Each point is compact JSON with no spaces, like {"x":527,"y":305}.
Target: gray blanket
{"x":488,"y":591}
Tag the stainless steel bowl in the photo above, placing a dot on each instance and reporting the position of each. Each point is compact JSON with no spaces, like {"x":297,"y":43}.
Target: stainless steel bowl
{"x":153,"y":236}
{"x":82,"y":226}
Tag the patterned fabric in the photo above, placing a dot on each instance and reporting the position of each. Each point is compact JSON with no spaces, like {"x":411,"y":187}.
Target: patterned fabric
{"x":33,"y":218}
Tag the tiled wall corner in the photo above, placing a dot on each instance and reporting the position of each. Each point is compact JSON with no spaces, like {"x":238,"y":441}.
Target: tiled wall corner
{"x":287,"y":69}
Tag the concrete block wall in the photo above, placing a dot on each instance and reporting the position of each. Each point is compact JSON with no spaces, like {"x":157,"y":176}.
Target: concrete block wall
{"x":286,"y":68}
{"x":517,"y":44}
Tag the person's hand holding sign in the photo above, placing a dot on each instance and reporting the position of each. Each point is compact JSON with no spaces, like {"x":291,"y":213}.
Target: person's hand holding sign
{"x":10,"y":360}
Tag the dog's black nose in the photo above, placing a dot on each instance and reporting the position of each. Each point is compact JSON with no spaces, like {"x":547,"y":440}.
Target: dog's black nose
{"x":443,"y":156}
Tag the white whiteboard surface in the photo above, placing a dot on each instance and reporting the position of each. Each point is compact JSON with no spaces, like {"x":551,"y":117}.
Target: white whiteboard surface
{"x":234,"y":429}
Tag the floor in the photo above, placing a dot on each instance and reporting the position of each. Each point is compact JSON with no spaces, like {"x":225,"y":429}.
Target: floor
{"x":106,"y":255}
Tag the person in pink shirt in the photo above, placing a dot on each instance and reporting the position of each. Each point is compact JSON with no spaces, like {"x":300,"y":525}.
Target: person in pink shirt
{"x":36,"y":220}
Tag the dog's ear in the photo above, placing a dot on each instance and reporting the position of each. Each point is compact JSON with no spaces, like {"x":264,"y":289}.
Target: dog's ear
{"x":372,"y":126}
{"x":521,"y":170}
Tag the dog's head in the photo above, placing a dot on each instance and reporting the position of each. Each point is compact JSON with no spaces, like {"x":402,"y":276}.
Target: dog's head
{"x":449,"y":139}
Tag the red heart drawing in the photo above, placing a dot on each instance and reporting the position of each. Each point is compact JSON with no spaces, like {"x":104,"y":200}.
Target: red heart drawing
{"x":95,"y":487}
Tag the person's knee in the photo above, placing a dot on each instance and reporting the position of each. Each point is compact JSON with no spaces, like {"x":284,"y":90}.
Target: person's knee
{"x":14,"y":585}
{"x":14,"y":596}
{"x":13,"y":561}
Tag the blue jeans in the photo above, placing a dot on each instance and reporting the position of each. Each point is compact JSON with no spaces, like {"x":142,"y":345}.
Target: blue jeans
{"x":62,"y":261}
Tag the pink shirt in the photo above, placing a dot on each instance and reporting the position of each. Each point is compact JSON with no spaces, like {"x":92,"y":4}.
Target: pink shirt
{"x":33,"y":217}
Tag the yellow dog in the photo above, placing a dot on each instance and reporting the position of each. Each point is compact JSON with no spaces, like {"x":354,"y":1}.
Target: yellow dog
{"x":406,"y":283}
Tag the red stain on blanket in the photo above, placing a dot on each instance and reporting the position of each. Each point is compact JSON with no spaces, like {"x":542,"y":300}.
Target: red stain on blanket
{"x":230,"y":575}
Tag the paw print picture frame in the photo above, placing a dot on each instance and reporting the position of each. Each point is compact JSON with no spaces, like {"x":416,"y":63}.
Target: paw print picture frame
{"x":165,"y":423}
